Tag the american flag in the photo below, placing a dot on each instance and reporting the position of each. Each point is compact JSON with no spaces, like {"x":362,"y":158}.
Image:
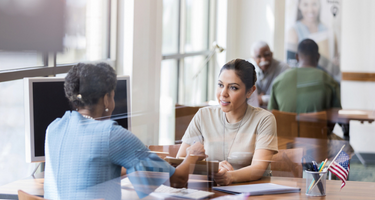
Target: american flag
{"x":340,"y":167}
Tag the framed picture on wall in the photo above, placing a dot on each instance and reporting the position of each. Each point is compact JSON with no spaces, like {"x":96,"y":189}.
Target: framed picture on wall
{"x":319,"y":20}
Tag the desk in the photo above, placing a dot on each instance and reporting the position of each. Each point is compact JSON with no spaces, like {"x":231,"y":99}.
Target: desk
{"x":352,"y":190}
{"x":344,"y":116}
{"x":32,"y":185}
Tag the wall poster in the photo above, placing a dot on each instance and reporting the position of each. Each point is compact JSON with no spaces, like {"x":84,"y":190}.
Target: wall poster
{"x":319,"y":20}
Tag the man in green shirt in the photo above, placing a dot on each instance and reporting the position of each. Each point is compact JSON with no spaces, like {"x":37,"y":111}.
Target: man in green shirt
{"x":308,"y":89}
{"x":305,"y":89}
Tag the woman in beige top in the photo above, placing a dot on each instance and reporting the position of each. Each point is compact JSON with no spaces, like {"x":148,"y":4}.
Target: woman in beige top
{"x":242,"y":137}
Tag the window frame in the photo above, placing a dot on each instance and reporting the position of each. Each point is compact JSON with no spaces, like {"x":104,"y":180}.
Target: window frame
{"x":181,"y":55}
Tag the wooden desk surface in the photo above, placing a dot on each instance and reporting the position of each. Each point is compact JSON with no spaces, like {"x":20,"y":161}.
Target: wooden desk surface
{"x":346,"y":115}
{"x":352,"y":190}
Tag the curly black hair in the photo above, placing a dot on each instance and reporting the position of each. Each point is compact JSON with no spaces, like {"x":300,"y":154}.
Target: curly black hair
{"x":244,"y":69}
{"x":85,"y":84}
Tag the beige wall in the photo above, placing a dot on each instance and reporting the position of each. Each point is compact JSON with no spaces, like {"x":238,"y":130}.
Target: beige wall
{"x":253,"y":20}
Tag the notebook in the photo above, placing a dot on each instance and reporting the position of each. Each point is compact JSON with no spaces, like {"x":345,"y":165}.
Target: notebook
{"x":257,"y":189}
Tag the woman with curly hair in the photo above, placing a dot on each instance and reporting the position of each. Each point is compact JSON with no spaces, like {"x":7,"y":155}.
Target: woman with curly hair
{"x":85,"y":150}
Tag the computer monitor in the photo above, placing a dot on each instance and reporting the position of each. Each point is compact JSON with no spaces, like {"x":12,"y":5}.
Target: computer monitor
{"x":45,"y":101}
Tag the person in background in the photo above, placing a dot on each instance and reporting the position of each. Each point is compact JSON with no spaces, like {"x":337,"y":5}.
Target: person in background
{"x":243,"y":138}
{"x":267,"y":69}
{"x":305,"y":89}
{"x":85,"y":150}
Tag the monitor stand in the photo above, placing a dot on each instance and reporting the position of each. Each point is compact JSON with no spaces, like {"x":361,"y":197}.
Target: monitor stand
{"x":41,"y":164}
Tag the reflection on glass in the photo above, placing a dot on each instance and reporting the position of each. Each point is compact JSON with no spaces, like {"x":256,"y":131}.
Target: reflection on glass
{"x":12,"y":133}
{"x":168,"y":99}
{"x":170,"y":26}
{"x":86,"y":37}
{"x":196,"y":25}
{"x":12,"y":60}
{"x":195,"y":80}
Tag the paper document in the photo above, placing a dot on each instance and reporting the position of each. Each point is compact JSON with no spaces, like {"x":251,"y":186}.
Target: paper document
{"x":257,"y":189}
{"x":166,"y":191}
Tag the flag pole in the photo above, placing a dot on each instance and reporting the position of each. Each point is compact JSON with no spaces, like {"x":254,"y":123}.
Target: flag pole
{"x":327,"y":168}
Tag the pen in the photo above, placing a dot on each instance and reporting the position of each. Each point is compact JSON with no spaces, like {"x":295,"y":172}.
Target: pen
{"x":315,"y":166}
{"x":321,"y":164}
{"x":320,"y":169}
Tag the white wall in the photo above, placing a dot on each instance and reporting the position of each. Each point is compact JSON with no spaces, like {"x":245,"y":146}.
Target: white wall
{"x":358,"y":50}
{"x":139,"y":55}
{"x":253,"y":20}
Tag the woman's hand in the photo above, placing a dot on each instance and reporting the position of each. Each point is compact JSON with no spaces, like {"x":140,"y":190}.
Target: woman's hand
{"x":225,"y":164}
{"x":196,"y":150}
{"x":194,"y":153}
{"x":223,"y":177}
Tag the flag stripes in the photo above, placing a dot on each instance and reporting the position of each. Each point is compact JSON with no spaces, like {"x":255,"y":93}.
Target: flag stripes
{"x":340,"y":167}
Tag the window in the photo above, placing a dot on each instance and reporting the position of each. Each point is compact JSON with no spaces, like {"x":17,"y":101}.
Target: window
{"x":86,"y":36}
{"x":88,"y":26}
{"x":16,"y":60}
{"x":185,"y":68}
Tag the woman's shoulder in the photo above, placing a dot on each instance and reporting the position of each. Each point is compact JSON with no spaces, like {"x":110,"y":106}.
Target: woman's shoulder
{"x":260,"y":113}
{"x":63,"y":120}
{"x":118,"y":128}
{"x":259,"y":110}
{"x":118,"y":132}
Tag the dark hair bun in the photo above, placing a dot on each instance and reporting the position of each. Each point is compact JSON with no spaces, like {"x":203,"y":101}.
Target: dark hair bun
{"x":85,"y":84}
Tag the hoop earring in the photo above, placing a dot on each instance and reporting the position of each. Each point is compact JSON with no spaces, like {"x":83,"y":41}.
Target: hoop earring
{"x":106,"y":109}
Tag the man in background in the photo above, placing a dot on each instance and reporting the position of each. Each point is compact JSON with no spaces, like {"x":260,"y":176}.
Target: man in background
{"x":305,"y":89}
{"x":267,"y":70}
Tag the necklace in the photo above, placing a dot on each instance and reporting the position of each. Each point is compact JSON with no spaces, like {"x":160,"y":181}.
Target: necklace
{"x":239,"y":126}
{"x":87,"y":117}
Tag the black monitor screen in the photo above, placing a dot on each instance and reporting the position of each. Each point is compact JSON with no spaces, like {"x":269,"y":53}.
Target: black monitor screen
{"x":49,"y":103}
{"x":120,"y":113}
